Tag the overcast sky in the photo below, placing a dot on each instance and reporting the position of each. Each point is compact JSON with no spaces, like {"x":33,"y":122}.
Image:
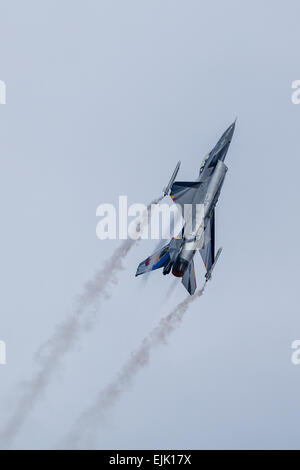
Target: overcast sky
{"x":103,"y":98}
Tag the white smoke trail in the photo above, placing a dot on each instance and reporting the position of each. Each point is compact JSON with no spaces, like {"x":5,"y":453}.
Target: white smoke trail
{"x":67,"y":334}
{"x":88,"y":421}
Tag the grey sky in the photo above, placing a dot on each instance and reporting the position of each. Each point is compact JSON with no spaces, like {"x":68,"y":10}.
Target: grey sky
{"x":103,"y":98}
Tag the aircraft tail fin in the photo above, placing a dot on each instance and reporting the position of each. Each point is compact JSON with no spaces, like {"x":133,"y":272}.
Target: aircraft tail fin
{"x":189,"y":278}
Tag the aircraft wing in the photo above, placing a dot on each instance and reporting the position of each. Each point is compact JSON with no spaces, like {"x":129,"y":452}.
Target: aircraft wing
{"x":189,"y":278}
{"x":208,"y":250}
{"x":157,"y":260}
{"x":188,"y":192}
{"x":184,"y":192}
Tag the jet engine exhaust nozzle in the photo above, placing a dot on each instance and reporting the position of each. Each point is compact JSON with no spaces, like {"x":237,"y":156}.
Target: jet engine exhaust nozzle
{"x":179,"y":267}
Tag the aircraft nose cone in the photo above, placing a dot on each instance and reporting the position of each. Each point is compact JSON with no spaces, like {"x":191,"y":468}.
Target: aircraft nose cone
{"x":222,"y":146}
{"x":230,"y":131}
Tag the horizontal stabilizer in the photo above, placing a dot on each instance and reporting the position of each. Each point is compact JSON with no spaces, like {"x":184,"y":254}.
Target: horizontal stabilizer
{"x":157,"y":260}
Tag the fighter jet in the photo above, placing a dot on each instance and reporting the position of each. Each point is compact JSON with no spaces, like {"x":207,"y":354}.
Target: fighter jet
{"x":198,"y":233}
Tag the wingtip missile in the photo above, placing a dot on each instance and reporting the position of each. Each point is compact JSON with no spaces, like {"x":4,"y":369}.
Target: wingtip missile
{"x":167,"y":189}
{"x":209,"y":273}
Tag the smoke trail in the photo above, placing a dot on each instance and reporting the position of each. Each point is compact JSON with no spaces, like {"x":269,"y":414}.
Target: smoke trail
{"x":89,"y":420}
{"x":67,"y":334}
{"x":145,"y":277}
